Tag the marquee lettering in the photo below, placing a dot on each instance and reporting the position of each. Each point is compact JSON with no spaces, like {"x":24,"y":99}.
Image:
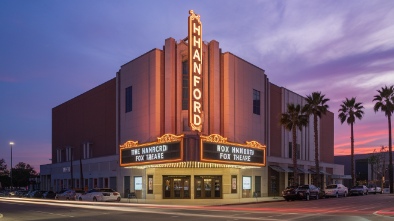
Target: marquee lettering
{"x":195,"y":65}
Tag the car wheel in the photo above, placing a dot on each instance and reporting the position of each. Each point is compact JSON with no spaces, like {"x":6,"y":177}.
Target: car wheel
{"x":336,"y":195}
{"x":94,"y":199}
{"x":118,"y":199}
{"x":80,"y":198}
{"x":67,"y":198}
{"x":345,"y":194}
{"x":307,"y":197}
{"x":317,"y":196}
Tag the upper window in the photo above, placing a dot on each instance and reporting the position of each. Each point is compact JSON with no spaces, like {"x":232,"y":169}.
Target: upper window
{"x":185,"y":85}
{"x":129,"y":99}
{"x":291,"y":150}
{"x":256,"y":102}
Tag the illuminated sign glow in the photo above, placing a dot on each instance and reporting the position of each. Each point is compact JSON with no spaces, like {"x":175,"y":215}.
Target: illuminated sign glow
{"x":215,"y":148}
{"x":168,"y":148}
{"x":195,"y":72}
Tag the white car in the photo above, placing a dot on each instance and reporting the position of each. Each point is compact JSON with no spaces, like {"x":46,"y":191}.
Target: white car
{"x":374,"y":189}
{"x":100,"y":194}
{"x":336,"y":190}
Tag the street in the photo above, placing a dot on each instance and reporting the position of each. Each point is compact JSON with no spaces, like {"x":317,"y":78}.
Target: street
{"x":370,"y":207}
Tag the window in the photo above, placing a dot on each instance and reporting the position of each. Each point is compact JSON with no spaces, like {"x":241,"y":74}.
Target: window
{"x":68,"y":154}
{"x":87,"y":151}
{"x":129,"y":99}
{"x":256,"y":102}
{"x":291,"y":150}
{"x":185,"y":85}
{"x":58,"y":155}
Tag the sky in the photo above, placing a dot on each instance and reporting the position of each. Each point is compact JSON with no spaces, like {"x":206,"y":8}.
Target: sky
{"x":53,"y":50}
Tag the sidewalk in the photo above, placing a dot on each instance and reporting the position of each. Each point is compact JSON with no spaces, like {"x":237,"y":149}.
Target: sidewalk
{"x":202,"y":202}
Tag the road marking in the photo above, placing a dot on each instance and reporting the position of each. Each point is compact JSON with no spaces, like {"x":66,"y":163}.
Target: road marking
{"x":56,"y":214}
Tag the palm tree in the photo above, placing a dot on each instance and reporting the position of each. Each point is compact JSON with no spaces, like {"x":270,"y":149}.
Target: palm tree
{"x":385,"y":103}
{"x":316,"y":106}
{"x":292,"y":119}
{"x":349,"y":111}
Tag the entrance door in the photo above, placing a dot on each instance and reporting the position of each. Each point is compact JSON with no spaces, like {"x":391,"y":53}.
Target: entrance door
{"x":176,"y":187}
{"x":257,"y":186}
{"x":207,"y":187}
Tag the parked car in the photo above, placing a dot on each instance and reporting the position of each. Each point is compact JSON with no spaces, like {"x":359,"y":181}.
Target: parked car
{"x":37,"y":194}
{"x":302,"y":192}
{"x":78,"y":193}
{"x":359,"y":190}
{"x":49,"y":195}
{"x":66,"y":195}
{"x":100,"y":194}
{"x":336,"y":190}
{"x":374,"y":189}
{"x":290,"y":193}
{"x":21,"y":193}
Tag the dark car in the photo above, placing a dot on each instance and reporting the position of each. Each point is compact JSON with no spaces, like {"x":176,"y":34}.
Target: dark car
{"x":359,"y":190}
{"x":302,"y":192}
{"x":49,"y":195}
{"x":290,"y":193}
{"x":38,"y":194}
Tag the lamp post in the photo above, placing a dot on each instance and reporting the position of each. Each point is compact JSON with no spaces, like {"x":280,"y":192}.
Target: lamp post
{"x":11,"y":143}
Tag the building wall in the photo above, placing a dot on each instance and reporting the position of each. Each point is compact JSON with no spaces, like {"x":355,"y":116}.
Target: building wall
{"x":240,"y":124}
{"x":89,"y":117}
{"x":275,"y":145}
{"x":144,"y":74}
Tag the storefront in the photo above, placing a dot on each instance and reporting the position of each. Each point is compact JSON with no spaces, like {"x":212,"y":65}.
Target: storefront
{"x":217,"y":170}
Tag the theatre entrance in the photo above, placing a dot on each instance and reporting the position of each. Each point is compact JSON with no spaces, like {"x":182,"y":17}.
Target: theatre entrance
{"x":176,"y":187}
{"x":208,"y":187}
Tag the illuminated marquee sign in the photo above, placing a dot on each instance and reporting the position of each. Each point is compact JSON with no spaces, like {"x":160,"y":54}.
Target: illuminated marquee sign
{"x":195,"y":72}
{"x":168,"y":148}
{"x":215,"y":148}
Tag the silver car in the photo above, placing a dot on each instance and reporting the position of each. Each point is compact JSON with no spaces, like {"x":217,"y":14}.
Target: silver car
{"x":374,"y":189}
{"x":359,"y":190}
{"x":336,"y":190}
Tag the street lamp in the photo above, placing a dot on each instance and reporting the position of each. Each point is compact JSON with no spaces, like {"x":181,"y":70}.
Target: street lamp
{"x":11,"y":143}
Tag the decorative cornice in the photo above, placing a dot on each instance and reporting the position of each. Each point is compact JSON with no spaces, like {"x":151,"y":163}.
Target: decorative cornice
{"x":194,"y":16}
{"x":254,"y":144}
{"x":129,"y":144}
{"x":216,"y":138}
{"x":166,"y":138}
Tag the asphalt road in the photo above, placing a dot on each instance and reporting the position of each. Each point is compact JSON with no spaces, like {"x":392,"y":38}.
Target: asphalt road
{"x":370,"y":207}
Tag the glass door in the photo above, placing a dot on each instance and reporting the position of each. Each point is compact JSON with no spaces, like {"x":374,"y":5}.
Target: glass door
{"x":208,"y":188}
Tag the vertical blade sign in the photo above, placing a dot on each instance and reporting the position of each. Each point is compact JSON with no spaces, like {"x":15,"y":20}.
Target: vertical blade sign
{"x":195,"y":72}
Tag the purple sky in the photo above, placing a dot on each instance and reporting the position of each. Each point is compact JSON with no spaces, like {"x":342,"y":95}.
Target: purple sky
{"x":52,"y":51}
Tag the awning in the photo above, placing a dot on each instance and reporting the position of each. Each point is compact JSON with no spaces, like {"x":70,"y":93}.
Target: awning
{"x":298,"y":169}
{"x":280,"y":169}
{"x":344,"y":177}
{"x":321,"y":172}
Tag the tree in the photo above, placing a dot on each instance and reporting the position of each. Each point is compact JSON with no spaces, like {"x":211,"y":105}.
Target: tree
{"x":21,"y":174}
{"x":385,"y":103}
{"x":377,"y":160}
{"x":294,"y":118}
{"x":316,"y":106}
{"x":4,"y":174}
{"x":349,"y":111}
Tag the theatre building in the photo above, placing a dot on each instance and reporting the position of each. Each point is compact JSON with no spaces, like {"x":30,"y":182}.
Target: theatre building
{"x":186,"y":122}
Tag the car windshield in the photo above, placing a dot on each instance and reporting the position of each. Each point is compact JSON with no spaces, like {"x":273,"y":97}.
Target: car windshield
{"x":304,"y":187}
{"x":331,"y":186}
